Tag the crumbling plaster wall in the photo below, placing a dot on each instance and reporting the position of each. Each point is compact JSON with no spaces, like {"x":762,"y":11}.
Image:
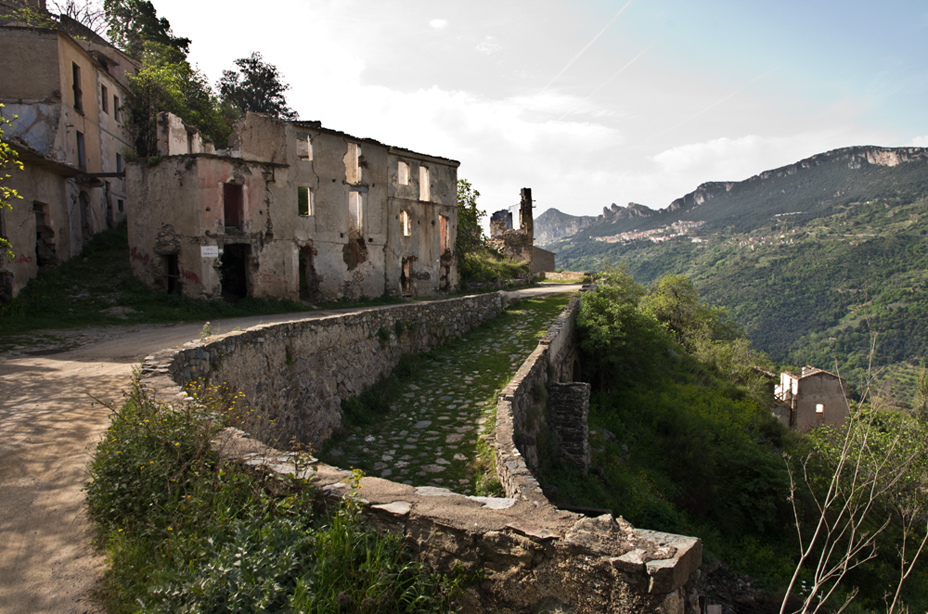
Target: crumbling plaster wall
{"x":432,"y":269}
{"x":339,"y":258}
{"x":192,"y":187}
{"x":19,"y":226}
{"x":36,"y":65}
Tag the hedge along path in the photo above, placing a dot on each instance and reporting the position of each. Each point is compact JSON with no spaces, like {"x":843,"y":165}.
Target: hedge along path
{"x":429,"y":437}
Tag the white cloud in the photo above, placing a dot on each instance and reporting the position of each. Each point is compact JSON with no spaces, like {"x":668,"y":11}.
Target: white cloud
{"x":919,"y":141}
{"x":488,"y":46}
{"x":439,"y":24}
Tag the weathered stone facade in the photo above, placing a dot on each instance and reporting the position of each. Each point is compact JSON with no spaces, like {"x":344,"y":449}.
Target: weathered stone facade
{"x":813,"y":398}
{"x":516,"y":244}
{"x":63,"y":95}
{"x":542,"y":261}
{"x":292,"y":210}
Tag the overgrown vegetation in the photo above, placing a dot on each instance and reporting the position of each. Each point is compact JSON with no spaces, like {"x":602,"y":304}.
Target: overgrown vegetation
{"x":477,"y":262}
{"x":185,"y":531}
{"x":9,"y":160}
{"x":97,"y":288}
{"x":472,"y":370}
{"x":683,"y":441}
{"x":808,"y":288}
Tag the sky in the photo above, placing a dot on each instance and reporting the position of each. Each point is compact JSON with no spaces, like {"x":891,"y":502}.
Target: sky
{"x":588,"y":102}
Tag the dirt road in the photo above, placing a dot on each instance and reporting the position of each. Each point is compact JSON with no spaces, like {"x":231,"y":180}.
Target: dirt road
{"x":49,"y":422}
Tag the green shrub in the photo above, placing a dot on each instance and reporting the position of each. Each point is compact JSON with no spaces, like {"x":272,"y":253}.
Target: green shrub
{"x":185,"y":532}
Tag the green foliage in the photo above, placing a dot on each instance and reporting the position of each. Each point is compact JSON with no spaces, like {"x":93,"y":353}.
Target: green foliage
{"x":133,"y":23}
{"x":255,"y":86}
{"x":167,"y":83}
{"x":30,"y":17}
{"x":808,"y":288}
{"x":9,"y":160}
{"x":470,"y":237}
{"x":185,"y":532}
{"x":677,"y":446}
{"x":621,"y":343}
{"x":487,"y":265}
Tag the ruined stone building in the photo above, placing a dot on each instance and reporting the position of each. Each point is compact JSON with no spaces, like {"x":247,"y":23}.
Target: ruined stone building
{"x":64,"y":97}
{"x":291,"y":210}
{"x":811,"y":399}
{"x":519,"y":244}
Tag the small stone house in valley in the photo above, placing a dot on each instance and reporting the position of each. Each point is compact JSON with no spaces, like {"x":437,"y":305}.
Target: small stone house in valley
{"x":811,"y":399}
{"x":63,"y":95}
{"x":291,"y":210}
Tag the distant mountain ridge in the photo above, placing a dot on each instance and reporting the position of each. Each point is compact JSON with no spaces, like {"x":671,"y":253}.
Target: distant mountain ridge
{"x":811,"y":258}
{"x":551,"y":227}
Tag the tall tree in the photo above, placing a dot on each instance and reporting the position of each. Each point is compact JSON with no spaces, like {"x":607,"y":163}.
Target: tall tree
{"x":256,"y":86}
{"x":132,"y":23}
{"x":470,"y":235}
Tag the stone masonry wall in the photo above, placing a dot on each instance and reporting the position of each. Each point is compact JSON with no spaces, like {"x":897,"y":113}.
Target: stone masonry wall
{"x":297,"y":374}
{"x":568,"y":417}
{"x":535,"y":557}
{"x":520,"y":413}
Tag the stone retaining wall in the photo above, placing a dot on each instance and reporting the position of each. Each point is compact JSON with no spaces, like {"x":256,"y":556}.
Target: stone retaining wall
{"x":522,"y":421}
{"x":295,"y":375}
{"x":535,"y":557}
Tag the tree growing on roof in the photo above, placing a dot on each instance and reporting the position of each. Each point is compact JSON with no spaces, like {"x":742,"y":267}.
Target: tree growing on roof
{"x":132,"y":23}
{"x":256,"y":86}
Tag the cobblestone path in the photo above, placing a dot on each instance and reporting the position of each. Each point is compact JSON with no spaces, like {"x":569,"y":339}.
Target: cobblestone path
{"x":439,"y":413}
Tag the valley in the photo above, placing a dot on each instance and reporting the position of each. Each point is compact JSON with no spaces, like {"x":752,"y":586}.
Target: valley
{"x":815,"y":260}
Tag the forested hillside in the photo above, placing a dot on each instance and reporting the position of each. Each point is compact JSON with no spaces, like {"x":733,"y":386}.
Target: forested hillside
{"x":809,"y":259}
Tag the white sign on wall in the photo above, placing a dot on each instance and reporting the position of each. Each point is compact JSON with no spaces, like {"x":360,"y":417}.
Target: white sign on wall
{"x":209,"y":251}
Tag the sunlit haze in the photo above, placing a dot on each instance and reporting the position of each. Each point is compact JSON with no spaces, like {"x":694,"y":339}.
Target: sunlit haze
{"x":588,"y":102}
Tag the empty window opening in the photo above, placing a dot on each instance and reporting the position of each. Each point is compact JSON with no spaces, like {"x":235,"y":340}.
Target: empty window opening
{"x":443,"y":231}
{"x":233,"y":272}
{"x":304,"y":199}
{"x":76,"y":87}
{"x":190,"y":143}
{"x":116,"y":107}
{"x":172,"y":274}
{"x":356,"y":209}
{"x":119,"y":166}
{"x":353,"y":163}
{"x":304,"y":149}
{"x":45,"y":255}
{"x":405,"y":223}
{"x":81,"y":152}
{"x":406,"y":275}
{"x":120,"y":205}
{"x":232,"y":200}
{"x":104,"y":99}
{"x":425,"y":192}
{"x":402,"y":173}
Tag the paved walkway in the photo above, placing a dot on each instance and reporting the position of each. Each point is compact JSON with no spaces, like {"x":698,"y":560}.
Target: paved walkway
{"x":49,"y":423}
{"x":430,"y":435}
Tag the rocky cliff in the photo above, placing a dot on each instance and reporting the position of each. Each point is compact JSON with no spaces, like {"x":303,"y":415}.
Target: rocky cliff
{"x":554,"y":225}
